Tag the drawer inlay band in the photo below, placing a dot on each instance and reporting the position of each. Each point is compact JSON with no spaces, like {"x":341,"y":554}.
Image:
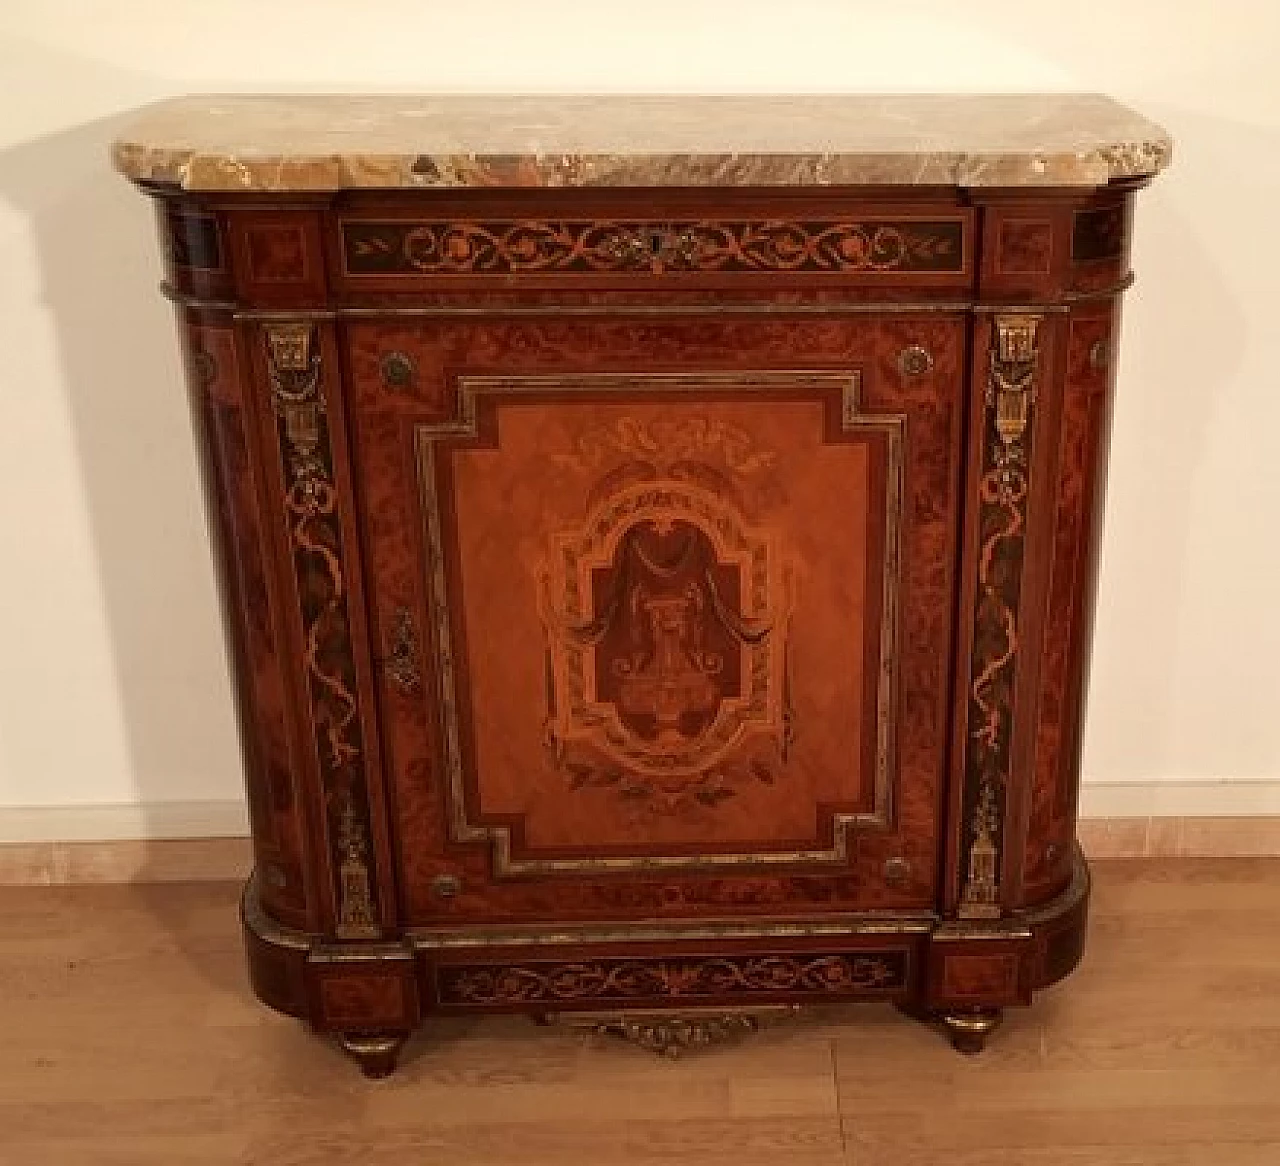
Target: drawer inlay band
{"x":605,"y":980}
{"x":433,"y":248}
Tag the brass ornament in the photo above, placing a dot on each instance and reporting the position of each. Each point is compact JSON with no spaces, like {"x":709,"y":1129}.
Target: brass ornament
{"x":374,"y":1052}
{"x":655,"y":247}
{"x":356,"y":919}
{"x":398,"y":370}
{"x":401,"y":662}
{"x":982,"y":888}
{"x":1002,"y":514}
{"x":915,"y":361}
{"x":969,"y":1029}
{"x":670,"y":1034}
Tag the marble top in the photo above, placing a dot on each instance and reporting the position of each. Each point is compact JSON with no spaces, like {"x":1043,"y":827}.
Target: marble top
{"x":319,"y":143}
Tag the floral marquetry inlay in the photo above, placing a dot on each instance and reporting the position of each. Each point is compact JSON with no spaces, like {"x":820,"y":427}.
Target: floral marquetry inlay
{"x":606,"y":980}
{"x":530,"y":247}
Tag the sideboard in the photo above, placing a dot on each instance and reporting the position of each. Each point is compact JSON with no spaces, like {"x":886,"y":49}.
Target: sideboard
{"x":657,"y":539}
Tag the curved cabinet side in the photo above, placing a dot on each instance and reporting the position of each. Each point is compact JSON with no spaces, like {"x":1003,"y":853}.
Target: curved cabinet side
{"x":1081,"y":438}
{"x":217,"y":379}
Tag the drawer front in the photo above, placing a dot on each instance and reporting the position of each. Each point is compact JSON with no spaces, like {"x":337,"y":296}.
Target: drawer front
{"x":665,"y":243}
{"x":663,"y":608}
{"x":724,"y":974}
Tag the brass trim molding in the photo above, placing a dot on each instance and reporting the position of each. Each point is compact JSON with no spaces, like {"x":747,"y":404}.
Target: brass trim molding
{"x":1077,"y":890}
{"x":188,"y":300}
{"x":742,"y":307}
{"x":263,"y":926}
{"x":428,"y":939}
{"x":538,"y":935}
{"x":853,"y":419}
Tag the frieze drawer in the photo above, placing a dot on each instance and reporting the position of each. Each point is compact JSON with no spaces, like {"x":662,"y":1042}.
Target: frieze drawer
{"x":689,"y":980}
{"x":448,"y":251}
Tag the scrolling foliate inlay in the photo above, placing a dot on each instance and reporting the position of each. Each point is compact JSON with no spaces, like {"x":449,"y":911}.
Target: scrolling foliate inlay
{"x":1002,"y":518}
{"x":416,"y":247}
{"x":293,"y":365}
{"x":609,"y":980}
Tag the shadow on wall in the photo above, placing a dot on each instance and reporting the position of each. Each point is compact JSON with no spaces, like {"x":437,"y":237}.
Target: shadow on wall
{"x":120,"y":371}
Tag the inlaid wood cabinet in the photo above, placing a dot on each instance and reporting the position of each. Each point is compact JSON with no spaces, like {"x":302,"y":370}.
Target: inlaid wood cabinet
{"x":649,"y":591}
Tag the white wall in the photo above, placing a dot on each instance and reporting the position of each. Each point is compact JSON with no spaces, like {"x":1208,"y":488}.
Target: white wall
{"x":112,"y":678}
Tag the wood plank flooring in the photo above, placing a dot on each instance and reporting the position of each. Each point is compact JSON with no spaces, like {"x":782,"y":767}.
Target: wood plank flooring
{"x":128,"y":1037}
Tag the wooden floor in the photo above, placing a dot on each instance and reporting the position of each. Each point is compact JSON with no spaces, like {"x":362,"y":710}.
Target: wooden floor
{"x":128,"y":1036}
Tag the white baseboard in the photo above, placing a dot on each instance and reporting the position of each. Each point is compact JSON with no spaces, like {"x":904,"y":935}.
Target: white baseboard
{"x":146,"y":821}
{"x":141,"y":821}
{"x":1240,"y":797}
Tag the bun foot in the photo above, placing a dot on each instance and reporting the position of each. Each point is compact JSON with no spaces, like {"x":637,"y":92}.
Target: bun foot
{"x":376,"y":1054}
{"x":969,"y":1030}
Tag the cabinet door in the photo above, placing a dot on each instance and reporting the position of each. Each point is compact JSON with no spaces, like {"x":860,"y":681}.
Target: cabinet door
{"x":663,"y":605}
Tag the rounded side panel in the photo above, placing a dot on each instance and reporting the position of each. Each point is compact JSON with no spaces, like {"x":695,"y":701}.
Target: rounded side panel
{"x":1059,"y":928}
{"x":277,"y":958}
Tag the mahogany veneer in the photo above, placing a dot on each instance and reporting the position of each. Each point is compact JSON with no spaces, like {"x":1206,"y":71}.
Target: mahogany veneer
{"x":655,"y":597}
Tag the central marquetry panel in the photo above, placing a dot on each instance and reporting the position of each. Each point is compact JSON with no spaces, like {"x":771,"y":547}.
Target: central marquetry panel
{"x":676,"y":601}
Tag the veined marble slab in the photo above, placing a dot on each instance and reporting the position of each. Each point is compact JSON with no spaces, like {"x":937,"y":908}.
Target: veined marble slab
{"x":322,"y":143}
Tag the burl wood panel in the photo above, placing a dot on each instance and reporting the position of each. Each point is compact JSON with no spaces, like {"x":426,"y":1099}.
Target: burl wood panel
{"x":501,"y":554}
{"x":279,"y":255}
{"x":1054,"y":244}
{"x":217,"y":387}
{"x":1080,"y":447}
{"x":362,"y":997}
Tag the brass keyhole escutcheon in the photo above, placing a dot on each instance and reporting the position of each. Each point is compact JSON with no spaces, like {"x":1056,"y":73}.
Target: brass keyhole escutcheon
{"x":398,"y":370}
